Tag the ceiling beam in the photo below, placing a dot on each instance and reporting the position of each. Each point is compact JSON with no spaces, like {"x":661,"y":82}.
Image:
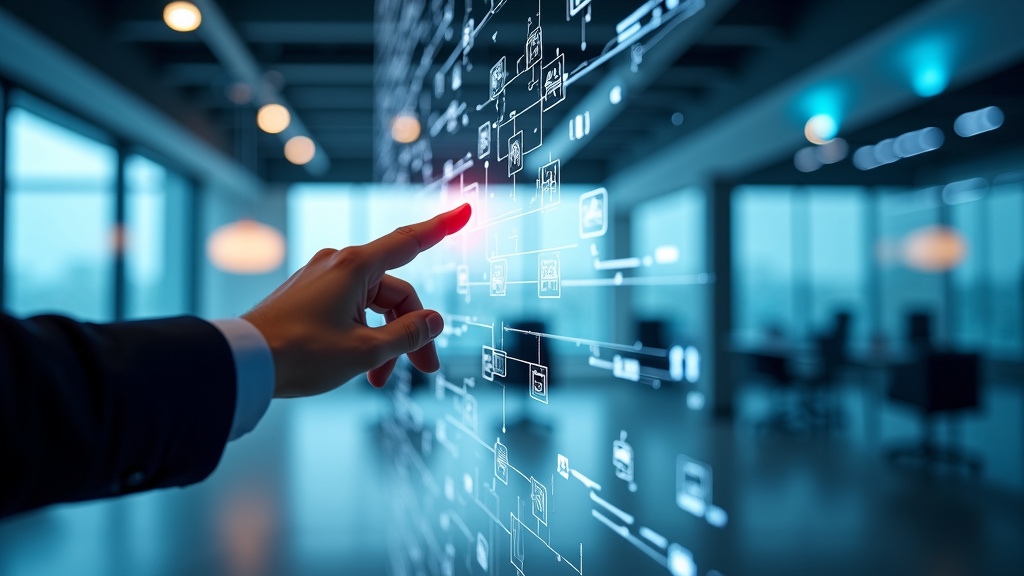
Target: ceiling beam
{"x":984,"y":34}
{"x":207,"y":73}
{"x":39,"y":64}
{"x":234,"y":55}
{"x":334,"y":33}
{"x":657,"y":57}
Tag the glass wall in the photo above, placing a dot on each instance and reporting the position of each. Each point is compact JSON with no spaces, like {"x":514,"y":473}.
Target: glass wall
{"x":800,"y":255}
{"x":60,"y":220}
{"x":763,"y":262}
{"x":156,"y":242}
{"x":60,"y":231}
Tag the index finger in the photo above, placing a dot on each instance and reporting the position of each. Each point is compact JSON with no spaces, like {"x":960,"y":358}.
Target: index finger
{"x":400,"y":247}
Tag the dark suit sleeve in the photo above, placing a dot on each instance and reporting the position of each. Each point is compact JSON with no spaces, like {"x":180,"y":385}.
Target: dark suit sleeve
{"x":91,"y":411}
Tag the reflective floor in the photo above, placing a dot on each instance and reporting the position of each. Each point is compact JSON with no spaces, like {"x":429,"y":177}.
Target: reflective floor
{"x":306,"y":494}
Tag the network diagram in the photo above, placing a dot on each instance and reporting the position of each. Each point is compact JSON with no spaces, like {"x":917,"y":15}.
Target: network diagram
{"x":464,"y":501}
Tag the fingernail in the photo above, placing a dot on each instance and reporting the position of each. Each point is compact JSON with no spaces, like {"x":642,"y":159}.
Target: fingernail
{"x":435,"y":324}
{"x":460,"y":216}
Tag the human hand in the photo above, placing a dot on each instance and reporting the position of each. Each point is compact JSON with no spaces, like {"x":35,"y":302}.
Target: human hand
{"x":315,"y":323}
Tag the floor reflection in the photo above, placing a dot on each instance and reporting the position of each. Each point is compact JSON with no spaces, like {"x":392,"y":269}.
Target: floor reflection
{"x":310,"y":493}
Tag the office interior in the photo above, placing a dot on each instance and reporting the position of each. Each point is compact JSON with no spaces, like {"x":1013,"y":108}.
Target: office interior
{"x":820,"y":206}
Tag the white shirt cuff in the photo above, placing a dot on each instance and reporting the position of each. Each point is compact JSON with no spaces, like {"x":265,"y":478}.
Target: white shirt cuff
{"x":254,"y":373}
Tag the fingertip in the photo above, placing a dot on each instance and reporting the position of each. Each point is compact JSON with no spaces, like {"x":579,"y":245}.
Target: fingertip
{"x":370,"y":379}
{"x":458,"y":218}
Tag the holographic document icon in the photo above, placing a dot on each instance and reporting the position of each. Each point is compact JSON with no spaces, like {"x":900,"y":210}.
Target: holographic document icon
{"x":549,"y":274}
{"x":594,"y":213}
{"x":563,"y":466}
{"x":533,"y":48}
{"x":554,"y":82}
{"x":483,"y":140}
{"x":497,"y":78}
{"x":539,"y":383}
{"x":499,"y":277}
{"x":622,"y":458}
{"x":515,"y":153}
{"x":574,"y":6}
{"x":550,"y":178}
{"x":494,"y":362}
{"x":693,"y":485}
{"x":539,"y":496}
{"x":501,"y":461}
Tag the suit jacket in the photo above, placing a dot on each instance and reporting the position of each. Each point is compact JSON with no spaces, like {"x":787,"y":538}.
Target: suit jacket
{"x":91,"y":411}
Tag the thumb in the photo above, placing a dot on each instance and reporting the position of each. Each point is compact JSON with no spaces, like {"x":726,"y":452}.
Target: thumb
{"x":409,"y":332}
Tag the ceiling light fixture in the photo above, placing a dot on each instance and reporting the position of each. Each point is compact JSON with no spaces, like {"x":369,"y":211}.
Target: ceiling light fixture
{"x":246,"y":247}
{"x":299,"y":150}
{"x":273,"y":118}
{"x":182,"y":16}
{"x":405,"y":129}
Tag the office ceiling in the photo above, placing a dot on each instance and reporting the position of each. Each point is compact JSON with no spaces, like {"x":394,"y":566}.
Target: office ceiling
{"x":321,"y":56}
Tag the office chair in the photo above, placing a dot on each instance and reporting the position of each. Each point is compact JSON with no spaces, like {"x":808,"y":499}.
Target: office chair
{"x":817,"y":408}
{"x":919,"y":331}
{"x":938,"y":383}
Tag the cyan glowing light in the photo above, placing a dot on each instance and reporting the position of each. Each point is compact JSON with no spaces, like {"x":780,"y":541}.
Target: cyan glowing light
{"x":930,"y":81}
{"x":821,"y":129}
{"x":928,"y":61}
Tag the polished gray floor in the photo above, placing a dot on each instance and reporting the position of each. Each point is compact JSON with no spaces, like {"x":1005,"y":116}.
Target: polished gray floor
{"x":310,"y":493}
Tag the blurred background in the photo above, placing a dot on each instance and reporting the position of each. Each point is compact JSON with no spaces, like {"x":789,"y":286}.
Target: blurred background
{"x":753,"y":274}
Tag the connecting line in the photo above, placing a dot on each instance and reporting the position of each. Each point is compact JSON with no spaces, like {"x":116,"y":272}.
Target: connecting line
{"x":489,"y":513}
{"x":624,"y":532}
{"x":500,"y":219}
{"x":466,"y":320}
{"x":636,"y":348}
{"x":461,"y":166}
{"x":617,"y":264}
{"x":686,"y":11}
{"x":586,"y":481}
{"x":496,"y":218}
{"x":462,"y":525}
{"x":645,"y":48}
{"x":627,"y":518}
{"x":680,"y":280}
{"x":541,"y":251}
{"x":471,"y":321}
{"x":462,"y":427}
{"x":557,"y":553}
{"x":525,"y":477}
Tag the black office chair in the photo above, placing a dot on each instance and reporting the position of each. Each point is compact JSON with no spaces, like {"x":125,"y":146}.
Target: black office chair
{"x":817,"y":408}
{"x":919,"y":332}
{"x":783,"y":416}
{"x":938,"y":383}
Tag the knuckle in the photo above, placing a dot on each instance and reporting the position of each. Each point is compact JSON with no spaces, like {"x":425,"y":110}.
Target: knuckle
{"x":323,"y":254}
{"x":349,"y":257}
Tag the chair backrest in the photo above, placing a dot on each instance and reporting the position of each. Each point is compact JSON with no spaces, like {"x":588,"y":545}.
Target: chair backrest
{"x":938,"y":382}
{"x":954,"y":381}
{"x":919,"y":331}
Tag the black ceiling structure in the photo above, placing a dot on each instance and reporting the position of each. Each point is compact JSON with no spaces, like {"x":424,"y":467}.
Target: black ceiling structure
{"x":320,"y":56}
